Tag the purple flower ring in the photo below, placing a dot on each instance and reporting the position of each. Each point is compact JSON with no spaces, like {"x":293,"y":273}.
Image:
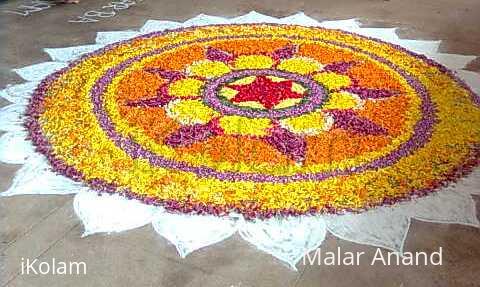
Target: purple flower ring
{"x":316,"y":95}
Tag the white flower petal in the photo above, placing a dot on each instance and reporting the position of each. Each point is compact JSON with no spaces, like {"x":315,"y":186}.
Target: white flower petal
{"x":110,"y":212}
{"x":105,"y":38}
{"x":420,"y":46}
{"x":299,"y":19}
{"x":35,"y":177}
{"x":11,"y":117}
{"x":14,"y":148}
{"x":471,"y":78}
{"x":287,"y":239}
{"x":384,"y":227}
{"x":202,"y":20}
{"x":191,"y":232}
{"x":38,"y":72}
{"x":254,"y":17}
{"x":346,"y":25}
{"x":154,"y":25}
{"x":70,"y":53}
{"x":444,"y":207}
{"x":18,"y":93}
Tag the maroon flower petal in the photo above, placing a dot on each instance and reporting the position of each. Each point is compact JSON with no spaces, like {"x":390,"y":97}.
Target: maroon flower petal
{"x":349,"y":120}
{"x":215,"y":54}
{"x":339,"y":67}
{"x":285,"y":52}
{"x":160,"y":100}
{"x":367,"y":93}
{"x":166,"y":74}
{"x":188,"y":135}
{"x":288,"y":143}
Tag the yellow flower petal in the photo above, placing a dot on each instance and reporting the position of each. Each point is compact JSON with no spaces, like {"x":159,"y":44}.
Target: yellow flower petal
{"x":342,"y":100}
{"x":208,"y":69}
{"x":253,"y":62}
{"x":228,"y":93}
{"x":298,"y":88}
{"x":244,"y":81}
{"x":287,"y":103}
{"x":185,"y":87}
{"x":190,"y":112}
{"x":308,"y":124}
{"x":276,"y":79}
{"x":300,"y":65}
{"x":251,"y":104}
{"x":333,"y":81}
{"x":238,"y":125}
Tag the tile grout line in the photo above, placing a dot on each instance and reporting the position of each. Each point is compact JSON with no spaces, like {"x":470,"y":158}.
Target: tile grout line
{"x":43,"y":252}
{"x":193,"y":266}
{"x":32,"y":227}
{"x":301,"y":276}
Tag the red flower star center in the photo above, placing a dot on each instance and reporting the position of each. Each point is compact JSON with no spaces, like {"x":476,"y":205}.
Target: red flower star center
{"x":265,"y":91}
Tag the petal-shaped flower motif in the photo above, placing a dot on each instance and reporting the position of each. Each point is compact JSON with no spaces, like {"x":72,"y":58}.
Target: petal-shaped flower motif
{"x":166,"y":74}
{"x":187,"y":135}
{"x":208,"y":69}
{"x":253,"y":62}
{"x":251,"y":104}
{"x":244,"y":80}
{"x":20,"y":93}
{"x":188,"y":87}
{"x":14,"y":148}
{"x":445,"y":206}
{"x":37,"y":178}
{"x":367,"y":93}
{"x":11,"y":117}
{"x":301,"y":65}
{"x":384,"y":227}
{"x":228,"y":93}
{"x":339,"y":67}
{"x":111,"y":213}
{"x":68,"y":54}
{"x":285,"y":52}
{"x":288,"y":143}
{"x":287,"y":103}
{"x":214,"y":54}
{"x":332,"y":81}
{"x":288,"y":239}
{"x":238,"y":125}
{"x":307,"y":124}
{"x":39,"y":71}
{"x":342,"y":101}
{"x":349,"y":120}
{"x":160,"y":100}
{"x":191,"y":232}
{"x":189,"y":112}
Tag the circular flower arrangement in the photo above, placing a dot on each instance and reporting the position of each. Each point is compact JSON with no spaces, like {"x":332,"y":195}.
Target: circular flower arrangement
{"x":260,"y":119}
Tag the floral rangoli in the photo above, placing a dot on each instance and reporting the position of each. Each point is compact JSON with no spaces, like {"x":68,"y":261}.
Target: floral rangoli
{"x":257,"y":118}
{"x":261,"y":120}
